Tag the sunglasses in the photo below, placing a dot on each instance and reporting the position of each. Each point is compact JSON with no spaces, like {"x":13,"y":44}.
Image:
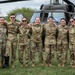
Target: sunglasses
{"x":71,"y":21}
{"x":12,"y":17}
{"x":24,"y":20}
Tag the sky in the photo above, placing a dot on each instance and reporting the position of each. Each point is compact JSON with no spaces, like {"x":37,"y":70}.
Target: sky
{"x":35,"y":4}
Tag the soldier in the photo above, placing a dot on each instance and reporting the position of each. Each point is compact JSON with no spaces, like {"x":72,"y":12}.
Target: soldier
{"x":4,"y":61}
{"x":24,"y":42}
{"x":50,"y":41}
{"x":36,"y":41}
{"x":62,"y":42}
{"x":72,"y":42}
{"x":12,"y":39}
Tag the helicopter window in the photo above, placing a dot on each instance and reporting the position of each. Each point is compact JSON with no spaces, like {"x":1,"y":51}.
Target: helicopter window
{"x":19,"y":17}
{"x":36,"y":15}
{"x":49,"y":14}
{"x":57,"y":16}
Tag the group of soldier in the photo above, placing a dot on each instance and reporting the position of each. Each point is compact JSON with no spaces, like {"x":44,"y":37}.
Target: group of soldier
{"x":46,"y":39}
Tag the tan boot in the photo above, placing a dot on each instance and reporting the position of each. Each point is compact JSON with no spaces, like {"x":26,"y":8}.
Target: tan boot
{"x":26,"y":65}
{"x":12,"y":65}
{"x":22,"y":65}
{"x":0,"y":64}
{"x":73,"y":66}
{"x":63,"y":65}
{"x":47,"y":65}
{"x":50,"y":64}
{"x":41,"y":64}
{"x":33,"y":65}
{"x":59,"y":65}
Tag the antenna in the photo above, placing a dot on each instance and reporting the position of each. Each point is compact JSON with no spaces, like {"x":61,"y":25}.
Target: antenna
{"x":56,"y":1}
{"x":0,"y":11}
{"x":1,"y":14}
{"x":51,"y":2}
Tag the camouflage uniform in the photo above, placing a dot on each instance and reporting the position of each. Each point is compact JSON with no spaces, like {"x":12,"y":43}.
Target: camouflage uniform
{"x":62,"y":44}
{"x":12,"y":40}
{"x":3,"y":37}
{"x":36,"y":42}
{"x":24,"y":43}
{"x":50,"y":42}
{"x":72,"y":45}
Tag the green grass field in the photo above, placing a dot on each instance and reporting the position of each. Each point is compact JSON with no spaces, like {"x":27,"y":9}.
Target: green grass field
{"x":38,"y":70}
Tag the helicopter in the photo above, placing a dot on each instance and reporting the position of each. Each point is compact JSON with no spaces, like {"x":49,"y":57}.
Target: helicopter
{"x":7,"y":1}
{"x":57,"y":9}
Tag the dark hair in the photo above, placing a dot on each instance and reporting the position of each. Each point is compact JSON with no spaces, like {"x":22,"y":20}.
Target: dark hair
{"x":2,"y":17}
{"x":51,"y":17}
{"x":37,"y":17}
{"x":73,"y":18}
{"x":62,"y":19}
{"x":24,"y":17}
{"x":12,"y":14}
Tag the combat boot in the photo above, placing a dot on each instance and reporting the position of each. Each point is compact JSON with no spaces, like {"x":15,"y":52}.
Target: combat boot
{"x":50,"y":64}
{"x":0,"y":64}
{"x":63,"y":65}
{"x":12,"y":64}
{"x":73,"y":66}
{"x":47,"y":64}
{"x":22,"y":65}
{"x":59,"y":64}
{"x":26,"y":65}
{"x":6,"y":62}
{"x":33,"y":65}
{"x":41,"y":64}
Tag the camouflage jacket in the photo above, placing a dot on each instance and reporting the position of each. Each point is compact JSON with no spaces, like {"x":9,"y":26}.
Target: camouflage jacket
{"x":3,"y":33}
{"x":62,"y":35}
{"x":50,"y":33}
{"x":12,"y":31}
{"x":36,"y":33}
{"x":72,"y":35}
{"x":23,"y":34}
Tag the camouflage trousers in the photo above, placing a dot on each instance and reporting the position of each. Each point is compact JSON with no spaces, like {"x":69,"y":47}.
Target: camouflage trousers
{"x":13,"y":47}
{"x":2,"y":52}
{"x":23,"y":48}
{"x":38,"y":46}
{"x":72,"y":54}
{"x":62,"y":50}
{"x":49,"y":53}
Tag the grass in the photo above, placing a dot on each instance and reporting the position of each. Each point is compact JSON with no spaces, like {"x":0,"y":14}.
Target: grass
{"x":38,"y":70}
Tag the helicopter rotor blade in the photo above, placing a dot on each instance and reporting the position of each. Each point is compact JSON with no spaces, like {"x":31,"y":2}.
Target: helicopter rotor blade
{"x":7,"y":1}
{"x":69,"y":2}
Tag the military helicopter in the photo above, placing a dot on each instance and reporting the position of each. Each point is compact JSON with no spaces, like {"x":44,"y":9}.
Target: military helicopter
{"x":7,"y":1}
{"x":57,"y":9}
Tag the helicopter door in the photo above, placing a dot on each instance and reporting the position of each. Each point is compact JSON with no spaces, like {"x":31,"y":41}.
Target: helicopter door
{"x":46,"y":15}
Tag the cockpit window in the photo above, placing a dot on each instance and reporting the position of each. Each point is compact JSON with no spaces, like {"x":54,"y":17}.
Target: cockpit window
{"x":45,"y":15}
{"x":37,"y":14}
{"x":58,"y":15}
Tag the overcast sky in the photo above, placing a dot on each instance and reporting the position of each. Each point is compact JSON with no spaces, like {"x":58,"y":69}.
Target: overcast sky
{"x":35,"y":4}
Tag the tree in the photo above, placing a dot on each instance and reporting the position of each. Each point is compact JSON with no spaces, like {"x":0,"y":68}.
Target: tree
{"x":27,"y":12}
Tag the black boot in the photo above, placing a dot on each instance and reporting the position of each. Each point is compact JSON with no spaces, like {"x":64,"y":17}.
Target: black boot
{"x":6,"y":62}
